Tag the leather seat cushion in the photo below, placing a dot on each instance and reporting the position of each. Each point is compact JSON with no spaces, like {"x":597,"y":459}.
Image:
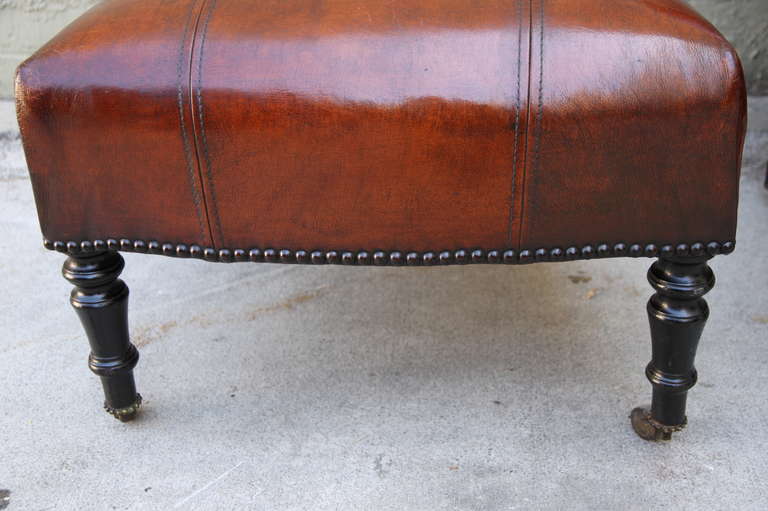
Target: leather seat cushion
{"x":392,"y":125}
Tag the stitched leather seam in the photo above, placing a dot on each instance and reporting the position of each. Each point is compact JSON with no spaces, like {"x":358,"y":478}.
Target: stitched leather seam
{"x":517,"y":122}
{"x":191,"y":163}
{"x":209,"y":190}
{"x":539,"y":114}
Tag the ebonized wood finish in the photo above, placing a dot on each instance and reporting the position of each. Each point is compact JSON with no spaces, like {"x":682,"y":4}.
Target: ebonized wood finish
{"x":677,"y":313}
{"x":101,"y":301}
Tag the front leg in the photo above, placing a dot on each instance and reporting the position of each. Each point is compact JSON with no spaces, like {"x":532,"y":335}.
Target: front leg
{"x":101,"y":301}
{"x":677,"y":313}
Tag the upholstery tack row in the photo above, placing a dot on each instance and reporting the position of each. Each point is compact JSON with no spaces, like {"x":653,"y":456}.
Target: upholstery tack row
{"x":395,"y":257}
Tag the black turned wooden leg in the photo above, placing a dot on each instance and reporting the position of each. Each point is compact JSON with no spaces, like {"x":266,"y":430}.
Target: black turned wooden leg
{"x":101,"y":301}
{"x":677,"y":313}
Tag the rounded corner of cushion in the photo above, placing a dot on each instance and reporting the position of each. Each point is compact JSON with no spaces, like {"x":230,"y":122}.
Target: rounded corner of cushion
{"x":736,"y":81}
{"x":21,"y":75}
{"x":25,"y":81}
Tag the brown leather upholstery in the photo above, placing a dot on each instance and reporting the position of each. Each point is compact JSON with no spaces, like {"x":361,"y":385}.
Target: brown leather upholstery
{"x":393,"y":125}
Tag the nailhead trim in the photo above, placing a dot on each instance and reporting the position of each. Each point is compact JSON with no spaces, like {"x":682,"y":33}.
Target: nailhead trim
{"x":393,"y":258}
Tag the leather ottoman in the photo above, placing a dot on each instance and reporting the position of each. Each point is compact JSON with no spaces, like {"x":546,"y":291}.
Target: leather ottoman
{"x":388,"y":133}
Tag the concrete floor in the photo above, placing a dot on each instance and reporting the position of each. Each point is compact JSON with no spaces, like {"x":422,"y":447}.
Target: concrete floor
{"x":464,"y":388}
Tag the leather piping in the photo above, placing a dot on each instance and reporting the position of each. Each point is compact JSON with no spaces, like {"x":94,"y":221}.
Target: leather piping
{"x":539,"y":112}
{"x":201,"y":140}
{"x":195,"y":105}
{"x":516,"y":150}
{"x":192,"y":162}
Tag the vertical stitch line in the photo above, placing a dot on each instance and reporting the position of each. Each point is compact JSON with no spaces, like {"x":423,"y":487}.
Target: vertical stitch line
{"x":539,"y":111}
{"x":201,"y":114}
{"x":517,"y":122}
{"x":183,"y":123}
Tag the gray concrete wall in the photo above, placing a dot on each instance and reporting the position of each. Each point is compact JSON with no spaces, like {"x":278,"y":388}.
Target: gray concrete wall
{"x":745,"y":24}
{"x":27,"y":24}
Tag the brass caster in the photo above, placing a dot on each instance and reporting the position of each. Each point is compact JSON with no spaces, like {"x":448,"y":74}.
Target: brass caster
{"x":127,"y":413}
{"x":649,"y":429}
